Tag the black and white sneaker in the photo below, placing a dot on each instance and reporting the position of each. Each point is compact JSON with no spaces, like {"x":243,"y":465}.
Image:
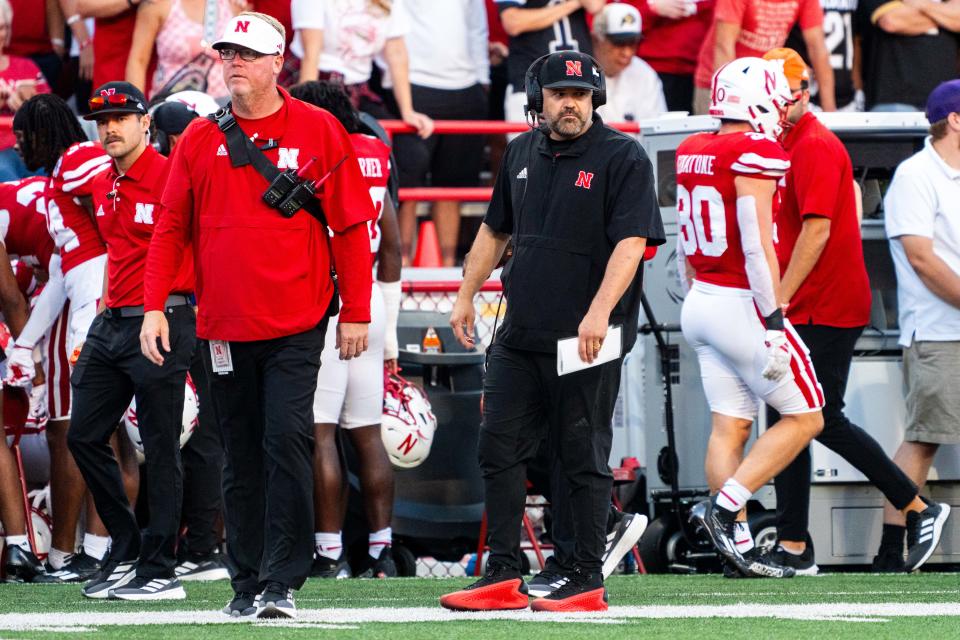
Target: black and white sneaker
{"x":203,"y":569}
{"x":243,"y":604}
{"x":621,"y":540}
{"x":144,"y":588}
{"x":324,"y":567}
{"x":546,"y":582}
{"x":79,"y":568}
{"x":802,"y":565}
{"x":923,"y":533}
{"x":720,"y":526}
{"x":113,"y":574}
{"x":383,"y":567}
{"x":276,"y":601}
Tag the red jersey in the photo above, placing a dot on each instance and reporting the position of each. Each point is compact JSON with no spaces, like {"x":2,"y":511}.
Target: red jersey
{"x":112,"y":38}
{"x":764,"y":25}
{"x":69,"y":223}
{"x":126,"y":221}
{"x":707,"y":165}
{"x":836,"y":293}
{"x":374,"y":159}
{"x":28,"y":33}
{"x":261,"y":275}
{"x":19,"y":70}
{"x":672,"y":46}
{"x":23,"y":227}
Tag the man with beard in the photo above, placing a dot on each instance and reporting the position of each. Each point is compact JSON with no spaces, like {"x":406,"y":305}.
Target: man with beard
{"x":578,"y":199}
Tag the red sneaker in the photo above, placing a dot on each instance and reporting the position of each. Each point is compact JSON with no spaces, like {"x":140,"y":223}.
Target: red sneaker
{"x":582,"y":592}
{"x":501,"y":588}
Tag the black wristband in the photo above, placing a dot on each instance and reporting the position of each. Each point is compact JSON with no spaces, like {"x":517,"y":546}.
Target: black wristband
{"x":774,"y":321}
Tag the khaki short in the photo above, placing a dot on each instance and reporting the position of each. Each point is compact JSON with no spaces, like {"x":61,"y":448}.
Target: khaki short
{"x":931,"y":377}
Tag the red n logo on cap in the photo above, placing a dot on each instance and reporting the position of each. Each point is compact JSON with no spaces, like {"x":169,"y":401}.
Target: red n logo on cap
{"x":574,"y":68}
{"x":242,"y":25}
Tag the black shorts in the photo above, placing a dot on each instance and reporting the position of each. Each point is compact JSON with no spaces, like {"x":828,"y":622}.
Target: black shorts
{"x":443,"y":160}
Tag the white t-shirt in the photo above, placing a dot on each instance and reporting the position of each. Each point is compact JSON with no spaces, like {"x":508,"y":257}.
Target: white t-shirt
{"x":924,"y":200}
{"x":354,"y":31}
{"x":458,"y":29}
{"x":635,"y":94}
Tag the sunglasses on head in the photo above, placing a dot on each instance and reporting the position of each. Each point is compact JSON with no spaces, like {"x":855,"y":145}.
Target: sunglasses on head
{"x":114,"y":100}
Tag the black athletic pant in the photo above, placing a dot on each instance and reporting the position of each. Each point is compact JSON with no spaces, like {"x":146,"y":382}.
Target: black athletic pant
{"x":110,"y":371}
{"x":524,"y":403}
{"x":202,"y":472}
{"x":265,"y":410}
{"x":678,"y":91}
{"x":831,"y":350}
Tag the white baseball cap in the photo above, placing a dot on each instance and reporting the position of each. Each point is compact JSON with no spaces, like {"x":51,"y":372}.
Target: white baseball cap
{"x":197,"y":101}
{"x":253,"y":33}
{"x":620,"y":23}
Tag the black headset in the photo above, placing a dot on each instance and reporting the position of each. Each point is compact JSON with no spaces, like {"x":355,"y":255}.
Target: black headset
{"x":531,"y":81}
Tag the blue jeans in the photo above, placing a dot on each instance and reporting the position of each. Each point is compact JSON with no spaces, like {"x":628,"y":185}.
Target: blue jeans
{"x":11,"y":166}
{"x":897,"y":107}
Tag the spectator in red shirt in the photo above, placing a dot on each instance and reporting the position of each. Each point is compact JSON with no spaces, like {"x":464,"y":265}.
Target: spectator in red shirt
{"x":827,"y":296}
{"x":753,"y":27}
{"x":38,"y":34}
{"x":20,"y":80}
{"x":265,"y":294}
{"x":112,"y":35}
{"x":673,"y":31}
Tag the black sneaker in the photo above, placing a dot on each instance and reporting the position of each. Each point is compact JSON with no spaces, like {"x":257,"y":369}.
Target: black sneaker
{"x":324,"y":567}
{"x":802,"y":565}
{"x":144,"y":588}
{"x":583,"y":591}
{"x":502,"y":588}
{"x":888,"y":560}
{"x":923,"y":533}
{"x":21,"y":565}
{"x":383,"y":567}
{"x":276,"y":601}
{"x":548,"y":580}
{"x":79,"y":568}
{"x":202,"y":569}
{"x":112,"y":575}
{"x":243,"y":604}
{"x":720,"y":526}
{"x":621,"y":540}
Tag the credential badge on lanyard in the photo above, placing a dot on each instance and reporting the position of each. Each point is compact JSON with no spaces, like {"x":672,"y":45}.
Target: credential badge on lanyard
{"x":220,"y":357}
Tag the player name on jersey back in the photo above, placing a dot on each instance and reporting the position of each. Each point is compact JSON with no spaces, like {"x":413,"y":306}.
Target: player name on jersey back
{"x":696,"y":163}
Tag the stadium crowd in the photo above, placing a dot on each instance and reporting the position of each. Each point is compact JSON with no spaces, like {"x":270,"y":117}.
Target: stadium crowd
{"x":111,"y":127}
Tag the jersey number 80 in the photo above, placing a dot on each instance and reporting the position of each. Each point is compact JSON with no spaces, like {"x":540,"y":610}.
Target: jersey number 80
{"x":703,"y":223}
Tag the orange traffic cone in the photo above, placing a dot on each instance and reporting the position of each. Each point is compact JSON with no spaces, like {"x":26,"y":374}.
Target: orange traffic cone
{"x":428,"y":247}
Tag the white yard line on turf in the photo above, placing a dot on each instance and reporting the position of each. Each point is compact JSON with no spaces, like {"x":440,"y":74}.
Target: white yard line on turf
{"x":341,"y":618}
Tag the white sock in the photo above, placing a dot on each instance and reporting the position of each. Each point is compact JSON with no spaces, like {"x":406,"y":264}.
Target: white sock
{"x":379,"y":540}
{"x":733,"y":496}
{"x":743,"y":537}
{"x":18,"y":541}
{"x":57,"y":558}
{"x":329,"y":545}
{"x":95,"y":546}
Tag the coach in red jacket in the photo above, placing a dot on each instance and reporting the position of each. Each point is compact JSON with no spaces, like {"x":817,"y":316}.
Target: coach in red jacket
{"x":264,"y":290}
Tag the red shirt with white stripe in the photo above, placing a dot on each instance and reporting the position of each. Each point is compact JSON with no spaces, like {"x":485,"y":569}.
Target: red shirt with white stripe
{"x":707,"y":165}
{"x":23,"y":227}
{"x":836,"y":293}
{"x":68,"y":221}
{"x":374,"y":159}
{"x":126,"y":221}
{"x":261,"y":275}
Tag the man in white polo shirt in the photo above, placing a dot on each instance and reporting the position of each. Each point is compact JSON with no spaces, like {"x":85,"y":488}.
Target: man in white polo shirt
{"x":634,"y":90}
{"x":922,"y":209}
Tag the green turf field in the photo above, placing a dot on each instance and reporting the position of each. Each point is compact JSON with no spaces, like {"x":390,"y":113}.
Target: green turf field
{"x":708,"y":607}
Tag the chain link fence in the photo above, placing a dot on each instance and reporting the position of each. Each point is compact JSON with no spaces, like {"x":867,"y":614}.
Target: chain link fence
{"x":440,"y":296}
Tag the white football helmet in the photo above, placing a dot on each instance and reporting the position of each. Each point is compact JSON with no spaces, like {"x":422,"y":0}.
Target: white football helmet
{"x":753,"y":90}
{"x":191,"y":417}
{"x":408,"y":422}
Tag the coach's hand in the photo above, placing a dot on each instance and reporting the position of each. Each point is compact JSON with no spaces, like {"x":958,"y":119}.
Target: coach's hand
{"x":154,"y":327}
{"x":463,"y":319}
{"x":778,"y":355}
{"x":351,"y":339}
{"x":591,"y":334}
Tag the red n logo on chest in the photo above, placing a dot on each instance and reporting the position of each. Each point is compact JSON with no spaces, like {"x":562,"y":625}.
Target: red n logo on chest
{"x":584,"y":179}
